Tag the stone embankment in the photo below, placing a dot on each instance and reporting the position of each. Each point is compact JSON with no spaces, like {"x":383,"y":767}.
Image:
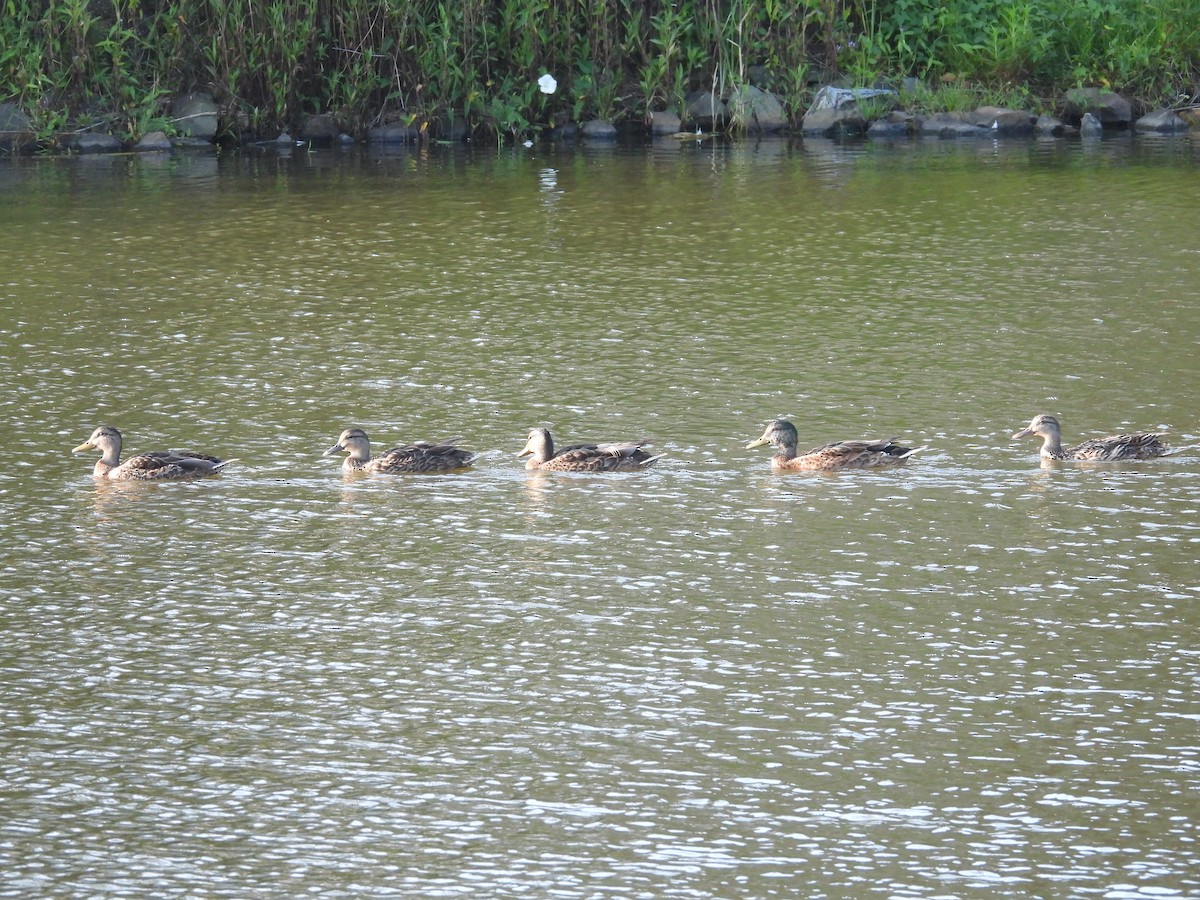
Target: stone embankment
{"x":1087,"y":111}
{"x":196,"y":119}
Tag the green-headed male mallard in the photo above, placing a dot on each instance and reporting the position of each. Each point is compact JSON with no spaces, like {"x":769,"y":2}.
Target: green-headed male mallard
{"x":155,"y":465}
{"x":422,"y":457}
{"x":618,"y":457}
{"x":1110,"y":448}
{"x":781,"y":434}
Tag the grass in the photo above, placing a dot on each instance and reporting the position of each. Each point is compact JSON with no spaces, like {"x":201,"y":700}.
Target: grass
{"x":269,"y":64}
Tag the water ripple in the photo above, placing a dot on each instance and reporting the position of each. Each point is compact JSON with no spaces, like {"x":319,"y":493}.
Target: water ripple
{"x":968,"y":676}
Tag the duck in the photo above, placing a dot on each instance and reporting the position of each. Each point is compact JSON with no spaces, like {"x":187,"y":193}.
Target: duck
{"x":155,"y":465}
{"x":626,"y":456}
{"x":421,"y":457}
{"x":1110,"y":448}
{"x":781,"y":434}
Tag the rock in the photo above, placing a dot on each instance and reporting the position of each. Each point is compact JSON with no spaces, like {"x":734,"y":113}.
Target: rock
{"x":394,"y":133}
{"x":949,"y":125}
{"x":1089,"y":126}
{"x":319,"y":129}
{"x":830,"y":97}
{"x":566,"y":132}
{"x":598,"y":130}
{"x":16,"y":129}
{"x":285,"y":139}
{"x":706,"y":108}
{"x":154,"y":142}
{"x":663,"y":123}
{"x":835,"y":111}
{"x":832,"y":122}
{"x":1001,"y":121}
{"x":452,"y":128}
{"x":759,"y":111}
{"x":12,"y":118}
{"x":94,"y":143}
{"x":895,"y":124}
{"x":1049,"y":125}
{"x":1163,"y":121}
{"x":761,"y":77}
{"x":1111,"y":110}
{"x":1190,"y":115}
{"x":195,"y":115}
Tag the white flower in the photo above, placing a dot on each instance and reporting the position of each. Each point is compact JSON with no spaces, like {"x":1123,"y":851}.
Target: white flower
{"x":547,"y":84}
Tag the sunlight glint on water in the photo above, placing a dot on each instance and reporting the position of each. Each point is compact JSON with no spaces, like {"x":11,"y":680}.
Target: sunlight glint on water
{"x":973,"y":676}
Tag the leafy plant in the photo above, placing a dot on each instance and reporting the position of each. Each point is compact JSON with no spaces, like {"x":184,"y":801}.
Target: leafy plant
{"x":270,"y":62}
{"x":873,"y":108}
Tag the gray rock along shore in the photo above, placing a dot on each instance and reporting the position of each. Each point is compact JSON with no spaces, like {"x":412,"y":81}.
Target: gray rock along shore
{"x":855,"y":112}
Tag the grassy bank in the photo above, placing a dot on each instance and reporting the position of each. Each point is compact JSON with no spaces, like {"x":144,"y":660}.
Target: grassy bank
{"x":110,"y":64}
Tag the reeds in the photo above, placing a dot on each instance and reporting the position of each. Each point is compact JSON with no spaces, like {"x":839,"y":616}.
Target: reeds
{"x":112,"y":63}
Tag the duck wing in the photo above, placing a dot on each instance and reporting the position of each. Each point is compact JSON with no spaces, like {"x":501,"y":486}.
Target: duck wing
{"x":609,"y":457}
{"x":865,"y":454}
{"x":423,"y":456}
{"x":1112,"y":447}
{"x":165,"y":464}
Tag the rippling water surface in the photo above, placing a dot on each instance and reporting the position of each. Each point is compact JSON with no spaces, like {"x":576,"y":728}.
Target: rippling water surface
{"x":973,"y":676}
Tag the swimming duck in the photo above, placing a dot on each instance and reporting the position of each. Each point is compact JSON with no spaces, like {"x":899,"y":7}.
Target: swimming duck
{"x":418,"y":458}
{"x":781,"y":434}
{"x":156,"y":465}
{"x":1110,"y":448}
{"x":619,"y":457}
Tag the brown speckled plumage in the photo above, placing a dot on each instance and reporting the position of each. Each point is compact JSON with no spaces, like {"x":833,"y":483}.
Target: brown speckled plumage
{"x":157,"y":465}
{"x":782,"y":435}
{"x":1110,"y":448}
{"x":616,"y":457}
{"x":422,"y":457}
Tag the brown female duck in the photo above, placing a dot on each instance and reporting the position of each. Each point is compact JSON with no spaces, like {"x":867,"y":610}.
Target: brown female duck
{"x":156,"y":465}
{"x":419,"y":458}
{"x":1111,"y":448}
{"x":781,"y":434}
{"x":619,"y":457}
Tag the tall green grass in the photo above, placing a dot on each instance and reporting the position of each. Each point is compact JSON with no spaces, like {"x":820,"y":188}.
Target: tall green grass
{"x":112,"y":64}
{"x":1148,"y":48}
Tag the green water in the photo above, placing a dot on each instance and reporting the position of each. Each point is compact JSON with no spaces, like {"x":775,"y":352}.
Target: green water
{"x":970,"y":677}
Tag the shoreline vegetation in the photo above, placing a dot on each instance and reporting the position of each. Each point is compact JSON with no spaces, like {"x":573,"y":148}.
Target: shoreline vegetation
{"x":515,"y":70}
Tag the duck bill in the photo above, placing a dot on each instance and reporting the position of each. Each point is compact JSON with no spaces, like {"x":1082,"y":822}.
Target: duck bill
{"x":527,"y":451}
{"x":336,"y":448}
{"x":759,"y":442}
{"x":1024,"y":432}
{"x":85,"y":446}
